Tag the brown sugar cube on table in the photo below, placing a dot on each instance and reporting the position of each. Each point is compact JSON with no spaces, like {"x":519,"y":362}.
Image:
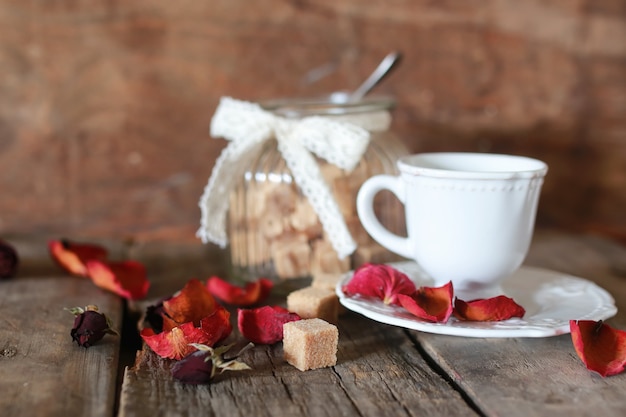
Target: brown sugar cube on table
{"x":326,"y":281}
{"x":329,"y":282}
{"x":313,"y":302}
{"x":310,"y":344}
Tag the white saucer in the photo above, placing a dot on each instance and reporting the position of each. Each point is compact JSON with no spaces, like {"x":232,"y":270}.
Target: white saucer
{"x":551,"y":300}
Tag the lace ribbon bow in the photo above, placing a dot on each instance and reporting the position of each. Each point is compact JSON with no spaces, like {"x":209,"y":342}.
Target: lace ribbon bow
{"x":247,"y":126}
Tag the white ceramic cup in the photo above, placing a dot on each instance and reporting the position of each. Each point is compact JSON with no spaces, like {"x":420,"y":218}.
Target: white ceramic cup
{"x":469,"y":216}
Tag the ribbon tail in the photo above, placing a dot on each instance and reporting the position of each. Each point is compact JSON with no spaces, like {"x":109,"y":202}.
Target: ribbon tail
{"x":215,"y":199}
{"x":307,"y":175}
{"x":246,"y":126}
{"x":214,"y":202}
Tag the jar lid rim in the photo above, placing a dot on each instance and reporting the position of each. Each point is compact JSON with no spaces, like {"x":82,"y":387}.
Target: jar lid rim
{"x":333,"y":104}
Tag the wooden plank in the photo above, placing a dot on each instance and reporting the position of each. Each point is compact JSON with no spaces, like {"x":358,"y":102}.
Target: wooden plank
{"x":523,"y":377}
{"x":379,"y":373}
{"x":42,"y":372}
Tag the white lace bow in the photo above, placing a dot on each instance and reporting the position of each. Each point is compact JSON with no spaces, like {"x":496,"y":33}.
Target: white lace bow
{"x":246,"y":125}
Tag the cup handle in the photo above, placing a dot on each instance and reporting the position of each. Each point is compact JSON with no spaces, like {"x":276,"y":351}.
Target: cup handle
{"x":365,"y":210}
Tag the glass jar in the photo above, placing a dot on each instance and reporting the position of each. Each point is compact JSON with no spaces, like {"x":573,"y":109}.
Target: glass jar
{"x":273,"y":230}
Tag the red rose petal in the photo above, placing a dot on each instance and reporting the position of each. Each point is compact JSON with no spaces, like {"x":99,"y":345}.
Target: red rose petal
{"x":252,"y":293}
{"x":73,"y":256}
{"x":430,"y":303}
{"x":216,"y":326}
{"x":266,"y":288}
{"x":264,"y":325}
{"x":127,"y":279}
{"x":174,"y":344}
{"x":380,"y":281}
{"x":601,"y":347}
{"x":488,"y":309}
{"x":191,"y":304}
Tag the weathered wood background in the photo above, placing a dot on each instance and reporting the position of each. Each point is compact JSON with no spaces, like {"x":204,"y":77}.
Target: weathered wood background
{"x":105,"y":105}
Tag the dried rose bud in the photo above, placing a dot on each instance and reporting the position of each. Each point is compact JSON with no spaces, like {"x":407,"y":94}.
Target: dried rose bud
{"x":8,"y":260}
{"x":89,"y":325}
{"x":201,"y":366}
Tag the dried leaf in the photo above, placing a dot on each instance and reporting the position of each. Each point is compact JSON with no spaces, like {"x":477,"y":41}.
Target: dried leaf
{"x":601,"y":347}
{"x":429,"y":303}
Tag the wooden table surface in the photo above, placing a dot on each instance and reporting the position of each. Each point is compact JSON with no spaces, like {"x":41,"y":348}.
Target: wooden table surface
{"x":381,"y":370}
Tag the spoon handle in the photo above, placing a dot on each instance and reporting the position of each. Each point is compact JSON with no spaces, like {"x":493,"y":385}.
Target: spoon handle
{"x":379,"y":73}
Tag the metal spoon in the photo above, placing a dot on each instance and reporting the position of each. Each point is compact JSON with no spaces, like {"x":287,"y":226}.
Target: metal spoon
{"x":379,"y":73}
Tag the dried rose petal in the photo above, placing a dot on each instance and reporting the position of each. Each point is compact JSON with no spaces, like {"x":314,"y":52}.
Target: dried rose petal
{"x":8,"y":260}
{"x":154,"y":316}
{"x":201,"y":366}
{"x":380,"y":281}
{"x":190,"y":304}
{"x":252,"y":293}
{"x":216,"y":326}
{"x":193,"y":369}
{"x":176,"y":343}
{"x":127,"y":279}
{"x":430,"y":303}
{"x":489,"y":309}
{"x":264,"y":325}
{"x":191,"y":316}
{"x":89,"y":326}
{"x":601,"y":347}
{"x":73,"y":256}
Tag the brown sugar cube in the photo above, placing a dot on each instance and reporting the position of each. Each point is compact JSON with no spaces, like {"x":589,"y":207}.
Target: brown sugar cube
{"x":258,"y":251}
{"x":291,"y":254}
{"x":312,"y":302}
{"x":304,"y":219}
{"x":310,"y":344}
{"x":280,"y":199}
{"x":329,"y":282}
{"x":271,"y":225}
{"x":325,"y":259}
{"x":326,"y":281}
